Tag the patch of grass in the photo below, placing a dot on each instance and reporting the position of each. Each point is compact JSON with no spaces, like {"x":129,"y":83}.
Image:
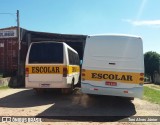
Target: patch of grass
{"x":152,"y":95}
{"x":4,"y":87}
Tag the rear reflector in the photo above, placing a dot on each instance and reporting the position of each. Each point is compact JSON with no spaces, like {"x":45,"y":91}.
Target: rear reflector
{"x":125,"y":91}
{"x":95,"y":89}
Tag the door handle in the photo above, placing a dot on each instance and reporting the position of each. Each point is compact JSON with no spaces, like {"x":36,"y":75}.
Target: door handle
{"x":112,"y":63}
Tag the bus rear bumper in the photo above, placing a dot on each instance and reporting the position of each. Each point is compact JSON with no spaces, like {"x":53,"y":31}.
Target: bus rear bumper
{"x":135,"y":92}
{"x":47,"y":85}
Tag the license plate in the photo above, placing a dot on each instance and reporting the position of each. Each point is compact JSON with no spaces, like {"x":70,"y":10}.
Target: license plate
{"x":111,"y":83}
{"x":45,"y":85}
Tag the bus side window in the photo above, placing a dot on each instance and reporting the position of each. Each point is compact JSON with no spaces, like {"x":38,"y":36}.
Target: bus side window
{"x":73,"y":58}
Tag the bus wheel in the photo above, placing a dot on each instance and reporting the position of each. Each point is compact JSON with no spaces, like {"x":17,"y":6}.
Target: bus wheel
{"x":68,"y":90}
{"x":72,"y":86}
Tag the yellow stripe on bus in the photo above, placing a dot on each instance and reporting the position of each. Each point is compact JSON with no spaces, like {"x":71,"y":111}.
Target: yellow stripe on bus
{"x":73,"y":69}
{"x":125,"y":77}
{"x":48,"y":69}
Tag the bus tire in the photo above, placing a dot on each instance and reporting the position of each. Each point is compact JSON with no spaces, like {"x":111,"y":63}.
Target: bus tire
{"x":68,"y":90}
{"x":72,"y":87}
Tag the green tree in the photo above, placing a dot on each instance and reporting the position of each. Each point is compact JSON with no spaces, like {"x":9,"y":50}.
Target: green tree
{"x":151,"y":63}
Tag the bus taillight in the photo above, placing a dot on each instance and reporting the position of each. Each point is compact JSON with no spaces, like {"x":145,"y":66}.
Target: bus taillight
{"x":141,"y":74}
{"x":141,"y":79}
{"x":65,"y":72}
{"x":83,"y":74}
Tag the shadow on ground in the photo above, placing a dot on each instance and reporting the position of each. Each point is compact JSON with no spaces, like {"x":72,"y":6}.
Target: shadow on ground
{"x":28,"y":98}
{"x":75,"y":107}
{"x":81,"y":107}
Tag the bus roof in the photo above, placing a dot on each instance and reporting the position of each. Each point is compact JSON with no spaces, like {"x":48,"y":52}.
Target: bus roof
{"x":114,"y":35}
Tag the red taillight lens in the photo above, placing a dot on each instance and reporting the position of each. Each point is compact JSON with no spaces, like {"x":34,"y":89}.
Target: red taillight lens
{"x":83,"y":74}
{"x":65,"y":72}
{"x":141,"y":79}
{"x":27,"y":72}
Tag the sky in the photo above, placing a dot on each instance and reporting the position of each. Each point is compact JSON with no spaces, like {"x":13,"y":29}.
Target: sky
{"x":87,"y":17}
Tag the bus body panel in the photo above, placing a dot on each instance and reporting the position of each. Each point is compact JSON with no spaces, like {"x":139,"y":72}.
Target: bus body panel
{"x":113,"y":65}
{"x":50,"y":75}
{"x":132,"y":92}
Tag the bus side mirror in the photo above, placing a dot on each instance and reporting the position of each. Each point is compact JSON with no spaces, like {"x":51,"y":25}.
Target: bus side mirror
{"x":81,"y":62}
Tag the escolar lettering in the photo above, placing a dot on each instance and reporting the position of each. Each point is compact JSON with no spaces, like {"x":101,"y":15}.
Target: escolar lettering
{"x":112,"y":76}
{"x":45,"y":69}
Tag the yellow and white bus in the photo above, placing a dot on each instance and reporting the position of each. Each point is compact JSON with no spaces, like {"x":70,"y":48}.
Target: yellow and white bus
{"x":113,"y":65}
{"x":51,"y":65}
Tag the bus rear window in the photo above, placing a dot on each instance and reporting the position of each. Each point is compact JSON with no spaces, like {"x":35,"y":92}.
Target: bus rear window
{"x":46,"y":53}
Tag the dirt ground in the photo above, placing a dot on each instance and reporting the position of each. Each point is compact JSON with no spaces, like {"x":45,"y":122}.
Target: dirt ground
{"x":78,"y":108}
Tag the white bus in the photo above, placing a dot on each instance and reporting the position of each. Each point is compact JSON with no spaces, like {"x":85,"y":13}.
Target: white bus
{"x":113,"y":65}
{"x":51,"y":65}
